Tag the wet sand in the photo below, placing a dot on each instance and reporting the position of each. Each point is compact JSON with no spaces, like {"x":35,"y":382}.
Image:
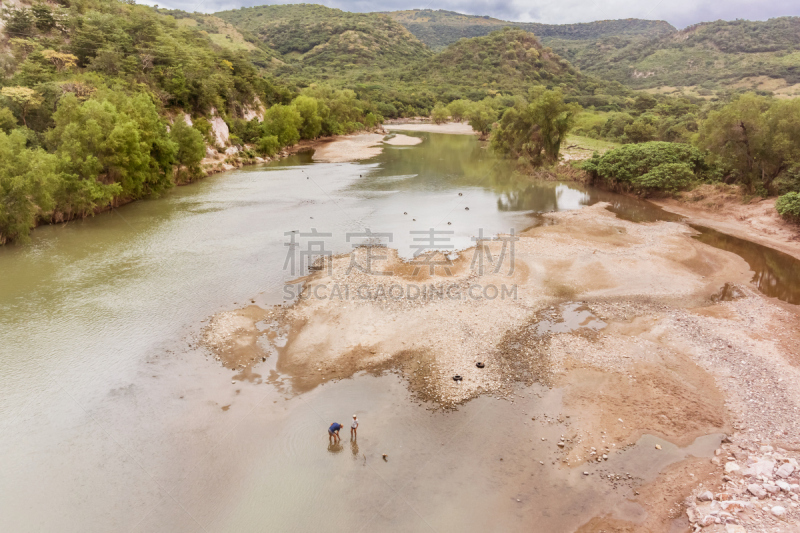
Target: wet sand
{"x":625,"y":319}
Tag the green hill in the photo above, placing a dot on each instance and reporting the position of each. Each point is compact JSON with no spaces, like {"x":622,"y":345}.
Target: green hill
{"x":511,"y":60}
{"x":439,"y":28}
{"x":702,"y":60}
{"x":708,"y":57}
{"x":317,"y":40}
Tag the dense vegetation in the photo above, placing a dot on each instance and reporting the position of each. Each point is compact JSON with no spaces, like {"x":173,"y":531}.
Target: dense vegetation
{"x":751,"y":141}
{"x":708,"y":58}
{"x":440,"y":28}
{"x":533,"y":131}
{"x":383,"y":62}
{"x":648,"y":167}
{"x":92,"y":104}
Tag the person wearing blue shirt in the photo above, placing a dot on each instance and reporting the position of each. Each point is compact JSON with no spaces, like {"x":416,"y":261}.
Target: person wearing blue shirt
{"x":333,"y":432}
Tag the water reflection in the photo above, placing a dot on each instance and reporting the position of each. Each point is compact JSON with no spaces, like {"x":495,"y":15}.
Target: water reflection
{"x":335,"y":448}
{"x":776,"y":274}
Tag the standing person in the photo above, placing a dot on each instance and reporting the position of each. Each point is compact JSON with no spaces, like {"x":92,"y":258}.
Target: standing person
{"x":354,"y":428}
{"x":333,"y":432}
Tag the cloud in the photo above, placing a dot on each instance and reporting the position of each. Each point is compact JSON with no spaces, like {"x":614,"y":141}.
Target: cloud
{"x":680,"y":13}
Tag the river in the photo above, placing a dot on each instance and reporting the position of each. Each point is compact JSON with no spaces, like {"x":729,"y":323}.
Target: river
{"x":113,"y":418}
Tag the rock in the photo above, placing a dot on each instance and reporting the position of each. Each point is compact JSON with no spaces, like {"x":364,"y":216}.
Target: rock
{"x":560,"y":444}
{"x":785,"y":470}
{"x":765,"y":449}
{"x":705,"y":496}
{"x":658,"y":446}
{"x":760,"y":468}
{"x":778,"y":511}
{"x":692,"y":514}
{"x":586,"y":473}
{"x":772,"y":489}
{"x":734,"y":506}
{"x":731,"y":467}
{"x":757,"y":491}
{"x":784,"y":486}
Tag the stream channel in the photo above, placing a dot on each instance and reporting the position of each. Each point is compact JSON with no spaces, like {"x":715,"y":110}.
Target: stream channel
{"x":113,"y":419}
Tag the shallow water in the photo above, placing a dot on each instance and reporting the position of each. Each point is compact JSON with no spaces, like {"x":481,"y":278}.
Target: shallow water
{"x":112,"y":419}
{"x":775,"y":273}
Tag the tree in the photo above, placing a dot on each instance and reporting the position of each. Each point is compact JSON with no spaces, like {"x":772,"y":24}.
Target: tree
{"x":27,"y":180}
{"x":439,"y":114}
{"x":754,"y":138}
{"x":191,"y":146}
{"x":60,"y":60}
{"x":115,"y":145}
{"x":284,"y":123}
{"x":308,"y":108}
{"x":642,"y":129}
{"x":458,"y":109}
{"x":7,"y":120}
{"x":534,"y":132}
{"x":24,"y":98}
{"x":481,"y":117}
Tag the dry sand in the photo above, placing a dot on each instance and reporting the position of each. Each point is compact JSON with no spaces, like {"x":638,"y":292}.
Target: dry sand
{"x":358,"y":147}
{"x":403,"y":140}
{"x":624,"y":319}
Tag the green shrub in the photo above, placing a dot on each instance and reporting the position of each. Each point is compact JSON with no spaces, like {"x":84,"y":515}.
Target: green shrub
{"x":191,"y":146}
{"x":439,"y":114}
{"x":669,"y":177}
{"x":647,"y":166}
{"x":268,"y":145}
{"x":7,"y":120}
{"x":283,"y":122}
{"x":788,"y":206}
{"x":27,"y":181}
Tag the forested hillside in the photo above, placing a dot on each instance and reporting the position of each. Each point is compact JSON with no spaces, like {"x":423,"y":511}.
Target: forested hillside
{"x":381,"y":60}
{"x":439,"y":28}
{"x":712,"y":55}
{"x":710,"y":58}
{"x":330,"y":41}
{"x":511,"y":61}
{"x":104,"y":102}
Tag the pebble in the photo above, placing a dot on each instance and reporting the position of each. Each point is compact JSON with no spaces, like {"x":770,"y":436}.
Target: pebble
{"x":778,"y":511}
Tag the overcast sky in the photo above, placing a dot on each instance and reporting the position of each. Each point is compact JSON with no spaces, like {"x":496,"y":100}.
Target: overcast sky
{"x":680,"y":13}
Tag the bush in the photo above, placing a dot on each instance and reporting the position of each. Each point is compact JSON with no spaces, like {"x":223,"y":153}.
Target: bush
{"x":191,"y":146}
{"x":669,"y":177}
{"x":788,"y":206}
{"x":268,"y":145}
{"x":7,"y":120}
{"x":27,"y":180}
{"x":649,"y":166}
{"x":439,"y":114}
{"x":282,"y":122}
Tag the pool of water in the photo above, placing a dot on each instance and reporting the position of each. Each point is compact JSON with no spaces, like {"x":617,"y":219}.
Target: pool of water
{"x":112,"y":418}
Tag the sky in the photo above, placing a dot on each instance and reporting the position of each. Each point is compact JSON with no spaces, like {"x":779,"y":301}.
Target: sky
{"x":679,"y":13}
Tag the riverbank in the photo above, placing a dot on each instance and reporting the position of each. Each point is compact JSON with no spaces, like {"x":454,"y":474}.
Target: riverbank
{"x":723,"y":209}
{"x":635,"y":325}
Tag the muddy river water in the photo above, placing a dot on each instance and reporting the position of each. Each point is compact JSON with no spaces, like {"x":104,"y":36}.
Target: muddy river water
{"x":112,"y":418}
